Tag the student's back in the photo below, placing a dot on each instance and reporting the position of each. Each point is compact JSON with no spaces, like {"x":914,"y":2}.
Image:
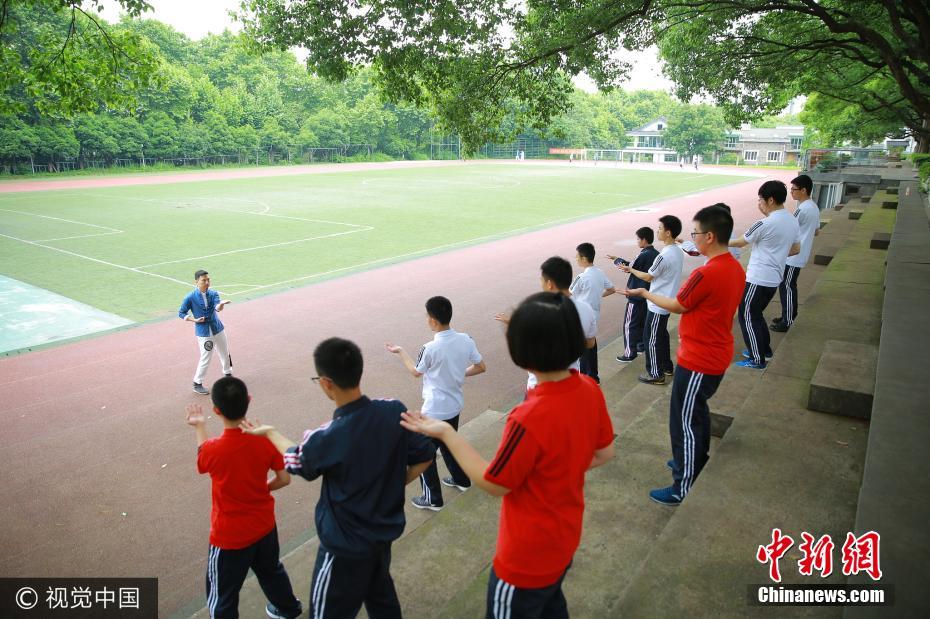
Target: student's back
{"x":547,"y":446}
{"x":243,"y":508}
{"x":443,"y":362}
{"x":362,"y":456}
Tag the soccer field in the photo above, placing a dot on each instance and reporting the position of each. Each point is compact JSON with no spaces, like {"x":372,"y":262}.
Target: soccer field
{"x":132,"y":251}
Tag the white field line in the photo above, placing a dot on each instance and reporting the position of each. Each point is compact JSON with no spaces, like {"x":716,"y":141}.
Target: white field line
{"x":70,"y":221}
{"x":421,"y":183}
{"x":78,"y":236}
{"x":263,"y":213}
{"x":436,"y":248}
{"x":97,"y":260}
{"x":237,"y":251}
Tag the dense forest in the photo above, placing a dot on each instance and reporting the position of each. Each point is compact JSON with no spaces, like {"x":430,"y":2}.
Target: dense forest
{"x":214,"y":101}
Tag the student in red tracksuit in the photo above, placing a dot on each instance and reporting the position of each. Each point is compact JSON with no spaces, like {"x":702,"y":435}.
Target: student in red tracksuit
{"x":243,"y":532}
{"x":552,"y":438}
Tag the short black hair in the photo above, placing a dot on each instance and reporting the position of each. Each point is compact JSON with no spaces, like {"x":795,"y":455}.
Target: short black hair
{"x":774,"y":189}
{"x":804,"y":182}
{"x":231,"y":397}
{"x":645,"y":233}
{"x":587,"y":251}
{"x":199,"y":273}
{"x":717,"y":219}
{"x":672,"y":224}
{"x":544,"y":333}
{"x":558,"y":270}
{"x":340,"y":361}
{"x":439,"y":308}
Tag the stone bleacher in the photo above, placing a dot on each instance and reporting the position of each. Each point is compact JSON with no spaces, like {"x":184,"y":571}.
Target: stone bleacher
{"x":777,"y":464}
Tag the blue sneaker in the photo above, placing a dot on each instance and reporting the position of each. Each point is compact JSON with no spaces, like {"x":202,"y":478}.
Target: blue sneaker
{"x":747,"y":355}
{"x":665,"y":496}
{"x":671,"y":464}
{"x":752,"y":365}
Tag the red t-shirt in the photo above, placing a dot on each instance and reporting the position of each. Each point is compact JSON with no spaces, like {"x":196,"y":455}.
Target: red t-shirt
{"x":243,"y":508}
{"x":711,"y":294}
{"x":548,"y":445}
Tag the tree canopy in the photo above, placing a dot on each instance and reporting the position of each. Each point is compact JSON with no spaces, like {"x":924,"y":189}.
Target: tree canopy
{"x":62,"y":59}
{"x":465,"y":58}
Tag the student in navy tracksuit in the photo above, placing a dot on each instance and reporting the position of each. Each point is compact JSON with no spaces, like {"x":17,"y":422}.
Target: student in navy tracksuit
{"x":200,"y":307}
{"x":635,"y":316}
{"x":365,"y":459}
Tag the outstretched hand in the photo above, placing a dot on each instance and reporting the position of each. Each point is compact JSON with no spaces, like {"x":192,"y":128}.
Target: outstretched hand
{"x":633,"y":292}
{"x":195,"y":415}
{"x":415,"y":421}
{"x":392,"y":348}
{"x":254,"y":427}
{"x":502,"y":317}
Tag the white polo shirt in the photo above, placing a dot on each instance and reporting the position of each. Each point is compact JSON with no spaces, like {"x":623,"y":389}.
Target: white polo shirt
{"x":666,"y":271}
{"x":589,"y":287}
{"x":808,"y":216}
{"x":443,"y":363}
{"x":588,"y":327}
{"x":771,"y":239}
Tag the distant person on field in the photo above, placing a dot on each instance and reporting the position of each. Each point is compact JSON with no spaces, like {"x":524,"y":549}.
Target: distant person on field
{"x":444,"y":363}
{"x":243,"y":533}
{"x":590,"y":286}
{"x":808,"y":215}
{"x":663,"y":276}
{"x":365,"y":459}
{"x":200,"y":306}
{"x":556,"y":276}
{"x":773,"y":238}
{"x":550,"y":441}
{"x":706,"y":302}
{"x":635,"y":316}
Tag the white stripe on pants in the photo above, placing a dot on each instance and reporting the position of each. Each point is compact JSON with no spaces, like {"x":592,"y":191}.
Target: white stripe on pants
{"x":218,"y":342}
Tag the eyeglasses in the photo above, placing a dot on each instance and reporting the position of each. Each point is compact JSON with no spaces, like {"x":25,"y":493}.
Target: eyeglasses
{"x":694,"y":234}
{"x":316,"y":379}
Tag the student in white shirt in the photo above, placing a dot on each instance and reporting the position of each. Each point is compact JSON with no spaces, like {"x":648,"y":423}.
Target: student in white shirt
{"x":773,"y":238}
{"x":556,"y":276}
{"x":590,"y":286}
{"x":444,"y":363}
{"x":808,"y":216}
{"x":665,"y":277}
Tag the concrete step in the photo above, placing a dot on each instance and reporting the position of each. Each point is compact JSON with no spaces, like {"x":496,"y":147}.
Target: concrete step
{"x":844,"y":381}
{"x":620,"y":526}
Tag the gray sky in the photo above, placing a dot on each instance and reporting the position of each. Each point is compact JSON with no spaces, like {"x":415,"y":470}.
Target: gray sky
{"x":197,"y":18}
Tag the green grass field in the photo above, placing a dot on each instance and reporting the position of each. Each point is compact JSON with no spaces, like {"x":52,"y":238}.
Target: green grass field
{"x":132,"y":251}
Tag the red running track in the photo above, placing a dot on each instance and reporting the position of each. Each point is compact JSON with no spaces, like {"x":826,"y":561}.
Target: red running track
{"x":100,"y":476}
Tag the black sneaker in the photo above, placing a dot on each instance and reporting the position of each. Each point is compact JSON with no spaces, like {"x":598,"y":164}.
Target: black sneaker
{"x":228,"y":374}
{"x":779,"y":328}
{"x":272,"y":611}
{"x":448,"y":481}
{"x":669,"y":372}
{"x":198,"y":388}
{"x":421,"y":503}
{"x":625,"y":359}
{"x":649,"y":380}
{"x":640,"y":348}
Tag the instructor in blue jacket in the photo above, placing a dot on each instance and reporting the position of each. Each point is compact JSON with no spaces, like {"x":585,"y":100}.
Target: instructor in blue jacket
{"x":200,"y":307}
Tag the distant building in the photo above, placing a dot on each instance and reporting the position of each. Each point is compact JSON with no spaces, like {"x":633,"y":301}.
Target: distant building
{"x":646,"y":144}
{"x":753,"y":146}
{"x":757,"y":146}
